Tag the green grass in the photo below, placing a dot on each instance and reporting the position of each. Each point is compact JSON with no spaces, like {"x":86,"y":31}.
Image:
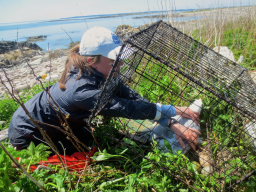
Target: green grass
{"x":237,"y":33}
{"x":117,"y":168}
{"x":8,"y":106}
{"x":242,"y":43}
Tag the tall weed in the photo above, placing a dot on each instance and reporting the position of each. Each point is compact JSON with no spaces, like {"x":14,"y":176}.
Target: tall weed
{"x":231,"y":27}
{"x":8,"y":106}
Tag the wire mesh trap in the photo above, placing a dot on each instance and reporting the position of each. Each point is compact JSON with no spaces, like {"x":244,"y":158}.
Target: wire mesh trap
{"x":166,"y":66}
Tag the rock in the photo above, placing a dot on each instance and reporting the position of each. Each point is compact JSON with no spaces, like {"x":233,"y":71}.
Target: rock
{"x":225,"y":52}
{"x":25,"y":48}
{"x":36,"y":57}
{"x":7,"y":61}
{"x":122,"y":27}
{"x":16,"y":57}
{"x":40,"y":52}
{"x":250,"y":129}
{"x":54,"y":76}
{"x":21,"y":87}
{"x":22,"y":76}
{"x":57,"y":53}
{"x":54,"y":55}
{"x":36,"y":62}
{"x":253,"y":76}
{"x":197,"y":166}
{"x":205,"y":160}
{"x":36,"y":38}
{"x":142,"y":27}
{"x":7,"y":46}
{"x":33,"y":82}
{"x":30,"y":72}
{"x":37,"y":70}
{"x":3,"y":135}
{"x":45,"y":71}
{"x":125,"y":31}
{"x":207,"y":170}
{"x":241,"y":59}
{"x":29,"y":76}
{"x":4,"y":92}
{"x":8,"y":87}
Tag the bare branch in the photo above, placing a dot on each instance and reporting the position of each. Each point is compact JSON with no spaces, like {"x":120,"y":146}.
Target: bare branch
{"x":68,"y":35}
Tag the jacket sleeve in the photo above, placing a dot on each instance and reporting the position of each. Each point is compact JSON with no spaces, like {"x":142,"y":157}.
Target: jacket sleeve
{"x":128,"y":93}
{"x":86,"y":96}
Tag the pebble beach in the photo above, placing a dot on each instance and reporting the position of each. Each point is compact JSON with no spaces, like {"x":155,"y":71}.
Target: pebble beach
{"x":22,"y":76}
{"x":52,"y":63}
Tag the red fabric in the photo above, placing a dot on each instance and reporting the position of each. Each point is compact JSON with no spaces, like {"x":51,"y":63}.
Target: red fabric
{"x":75,"y":161}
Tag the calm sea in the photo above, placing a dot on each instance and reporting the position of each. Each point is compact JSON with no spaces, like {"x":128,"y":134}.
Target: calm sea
{"x":74,"y":26}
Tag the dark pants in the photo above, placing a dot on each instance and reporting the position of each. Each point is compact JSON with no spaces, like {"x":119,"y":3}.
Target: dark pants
{"x":82,"y":133}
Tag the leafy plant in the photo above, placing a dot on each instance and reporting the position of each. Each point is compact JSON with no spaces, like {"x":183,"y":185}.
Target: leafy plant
{"x":8,"y":106}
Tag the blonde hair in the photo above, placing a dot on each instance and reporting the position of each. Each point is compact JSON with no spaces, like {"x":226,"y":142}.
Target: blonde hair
{"x":78,"y":61}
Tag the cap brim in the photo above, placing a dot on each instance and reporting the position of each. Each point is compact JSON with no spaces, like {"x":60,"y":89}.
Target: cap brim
{"x":126,"y":52}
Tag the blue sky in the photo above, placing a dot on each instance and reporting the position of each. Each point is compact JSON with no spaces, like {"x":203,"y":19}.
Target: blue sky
{"x":30,"y":10}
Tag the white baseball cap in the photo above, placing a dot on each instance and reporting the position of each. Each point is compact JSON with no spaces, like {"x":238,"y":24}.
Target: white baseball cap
{"x":100,"y":41}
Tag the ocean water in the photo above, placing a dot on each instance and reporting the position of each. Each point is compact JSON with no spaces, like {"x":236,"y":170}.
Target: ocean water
{"x":74,"y":26}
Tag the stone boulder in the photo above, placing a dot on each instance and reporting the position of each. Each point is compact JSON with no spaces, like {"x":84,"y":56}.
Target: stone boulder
{"x":142,"y":27}
{"x":11,"y":55}
{"x":125,"y":31}
{"x":16,"y":57}
{"x":57,"y":53}
{"x":7,"y":46}
{"x":253,"y":76}
{"x":241,"y":59}
{"x":226,"y":52}
{"x":36,"y":38}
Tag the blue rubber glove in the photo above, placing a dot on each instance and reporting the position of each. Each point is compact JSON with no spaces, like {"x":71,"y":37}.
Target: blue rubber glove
{"x":163,"y":122}
{"x":167,"y":111}
{"x":164,"y":112}
{"x":172,"y":140}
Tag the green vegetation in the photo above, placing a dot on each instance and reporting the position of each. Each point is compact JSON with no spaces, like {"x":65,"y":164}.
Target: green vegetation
{"x":8,"y":106}
{"x":120,"y":168}
{"x":117,"y":168}
{"x":71,"y":45}
{"x":242,"y":42}
{"x":235,"y":32}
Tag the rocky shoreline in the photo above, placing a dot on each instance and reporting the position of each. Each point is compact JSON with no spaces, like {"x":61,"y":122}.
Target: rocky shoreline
{"x":11,"y":54}
{"x":15,"y":64}
{"x":125,"y":31}
{"x":37,"y":38}
{"x":51,"y":63}
{"x":7,"y":46}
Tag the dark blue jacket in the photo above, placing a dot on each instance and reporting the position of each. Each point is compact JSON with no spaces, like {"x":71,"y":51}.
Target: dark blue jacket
{"x":76,"y":102}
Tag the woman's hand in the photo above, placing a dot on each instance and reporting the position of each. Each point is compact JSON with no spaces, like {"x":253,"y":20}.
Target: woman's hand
{"x":186,"y":133}
{"x":186,"y":112}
